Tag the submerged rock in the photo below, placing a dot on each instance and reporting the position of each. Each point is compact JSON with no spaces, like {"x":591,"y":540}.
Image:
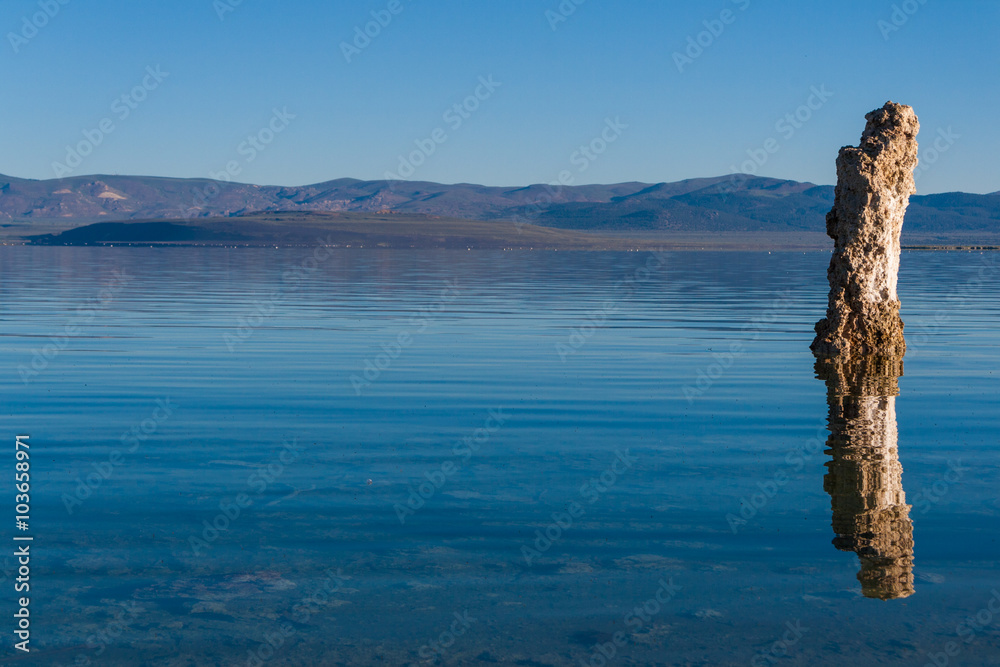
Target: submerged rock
{"x":874,"y":184}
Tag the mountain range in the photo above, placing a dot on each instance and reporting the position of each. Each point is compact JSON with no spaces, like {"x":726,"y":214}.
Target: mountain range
{"x":734,"y":203}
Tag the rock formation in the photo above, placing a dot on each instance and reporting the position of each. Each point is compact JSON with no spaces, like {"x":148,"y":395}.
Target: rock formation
{"x":860,"y":347}
{"x":864,"y":477}
{"x":874,"y":184}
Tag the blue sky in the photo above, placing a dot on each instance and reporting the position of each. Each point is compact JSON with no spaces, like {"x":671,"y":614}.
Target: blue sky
{"x":560,"y":82}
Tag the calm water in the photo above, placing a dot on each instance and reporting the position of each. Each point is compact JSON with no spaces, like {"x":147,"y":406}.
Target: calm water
{"x":383,"y":440}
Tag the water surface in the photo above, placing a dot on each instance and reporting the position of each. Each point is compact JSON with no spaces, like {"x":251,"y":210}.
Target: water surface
{"x":382,"y":440}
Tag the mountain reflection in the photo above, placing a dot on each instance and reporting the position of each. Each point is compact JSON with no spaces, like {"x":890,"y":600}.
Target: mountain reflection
{"x":864,"y":478}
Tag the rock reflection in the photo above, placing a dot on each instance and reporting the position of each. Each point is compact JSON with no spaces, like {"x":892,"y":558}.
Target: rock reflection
{"x":864,"y":479}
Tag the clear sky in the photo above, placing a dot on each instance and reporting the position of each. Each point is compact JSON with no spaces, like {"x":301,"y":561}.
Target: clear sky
{"x":560,"y":81}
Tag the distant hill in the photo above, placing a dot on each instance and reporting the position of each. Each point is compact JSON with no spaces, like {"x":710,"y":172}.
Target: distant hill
{"x":392,"y":230}
{"x":141,"y":197}
{"x":351,"y":230}
{"x":720,"y":204}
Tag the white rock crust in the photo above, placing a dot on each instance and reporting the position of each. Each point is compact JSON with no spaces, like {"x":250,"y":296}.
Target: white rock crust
{"x":874,"y":184}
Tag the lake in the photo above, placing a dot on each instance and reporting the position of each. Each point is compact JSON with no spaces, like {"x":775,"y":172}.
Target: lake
{"x":299,"y":457}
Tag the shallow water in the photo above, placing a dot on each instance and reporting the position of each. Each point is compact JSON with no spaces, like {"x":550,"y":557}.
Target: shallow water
{"x":378,"y":435}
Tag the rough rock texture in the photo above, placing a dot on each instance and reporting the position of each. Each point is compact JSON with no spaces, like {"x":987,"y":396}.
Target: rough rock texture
{"x":874,"y":184}
{"x":864,"y":478}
